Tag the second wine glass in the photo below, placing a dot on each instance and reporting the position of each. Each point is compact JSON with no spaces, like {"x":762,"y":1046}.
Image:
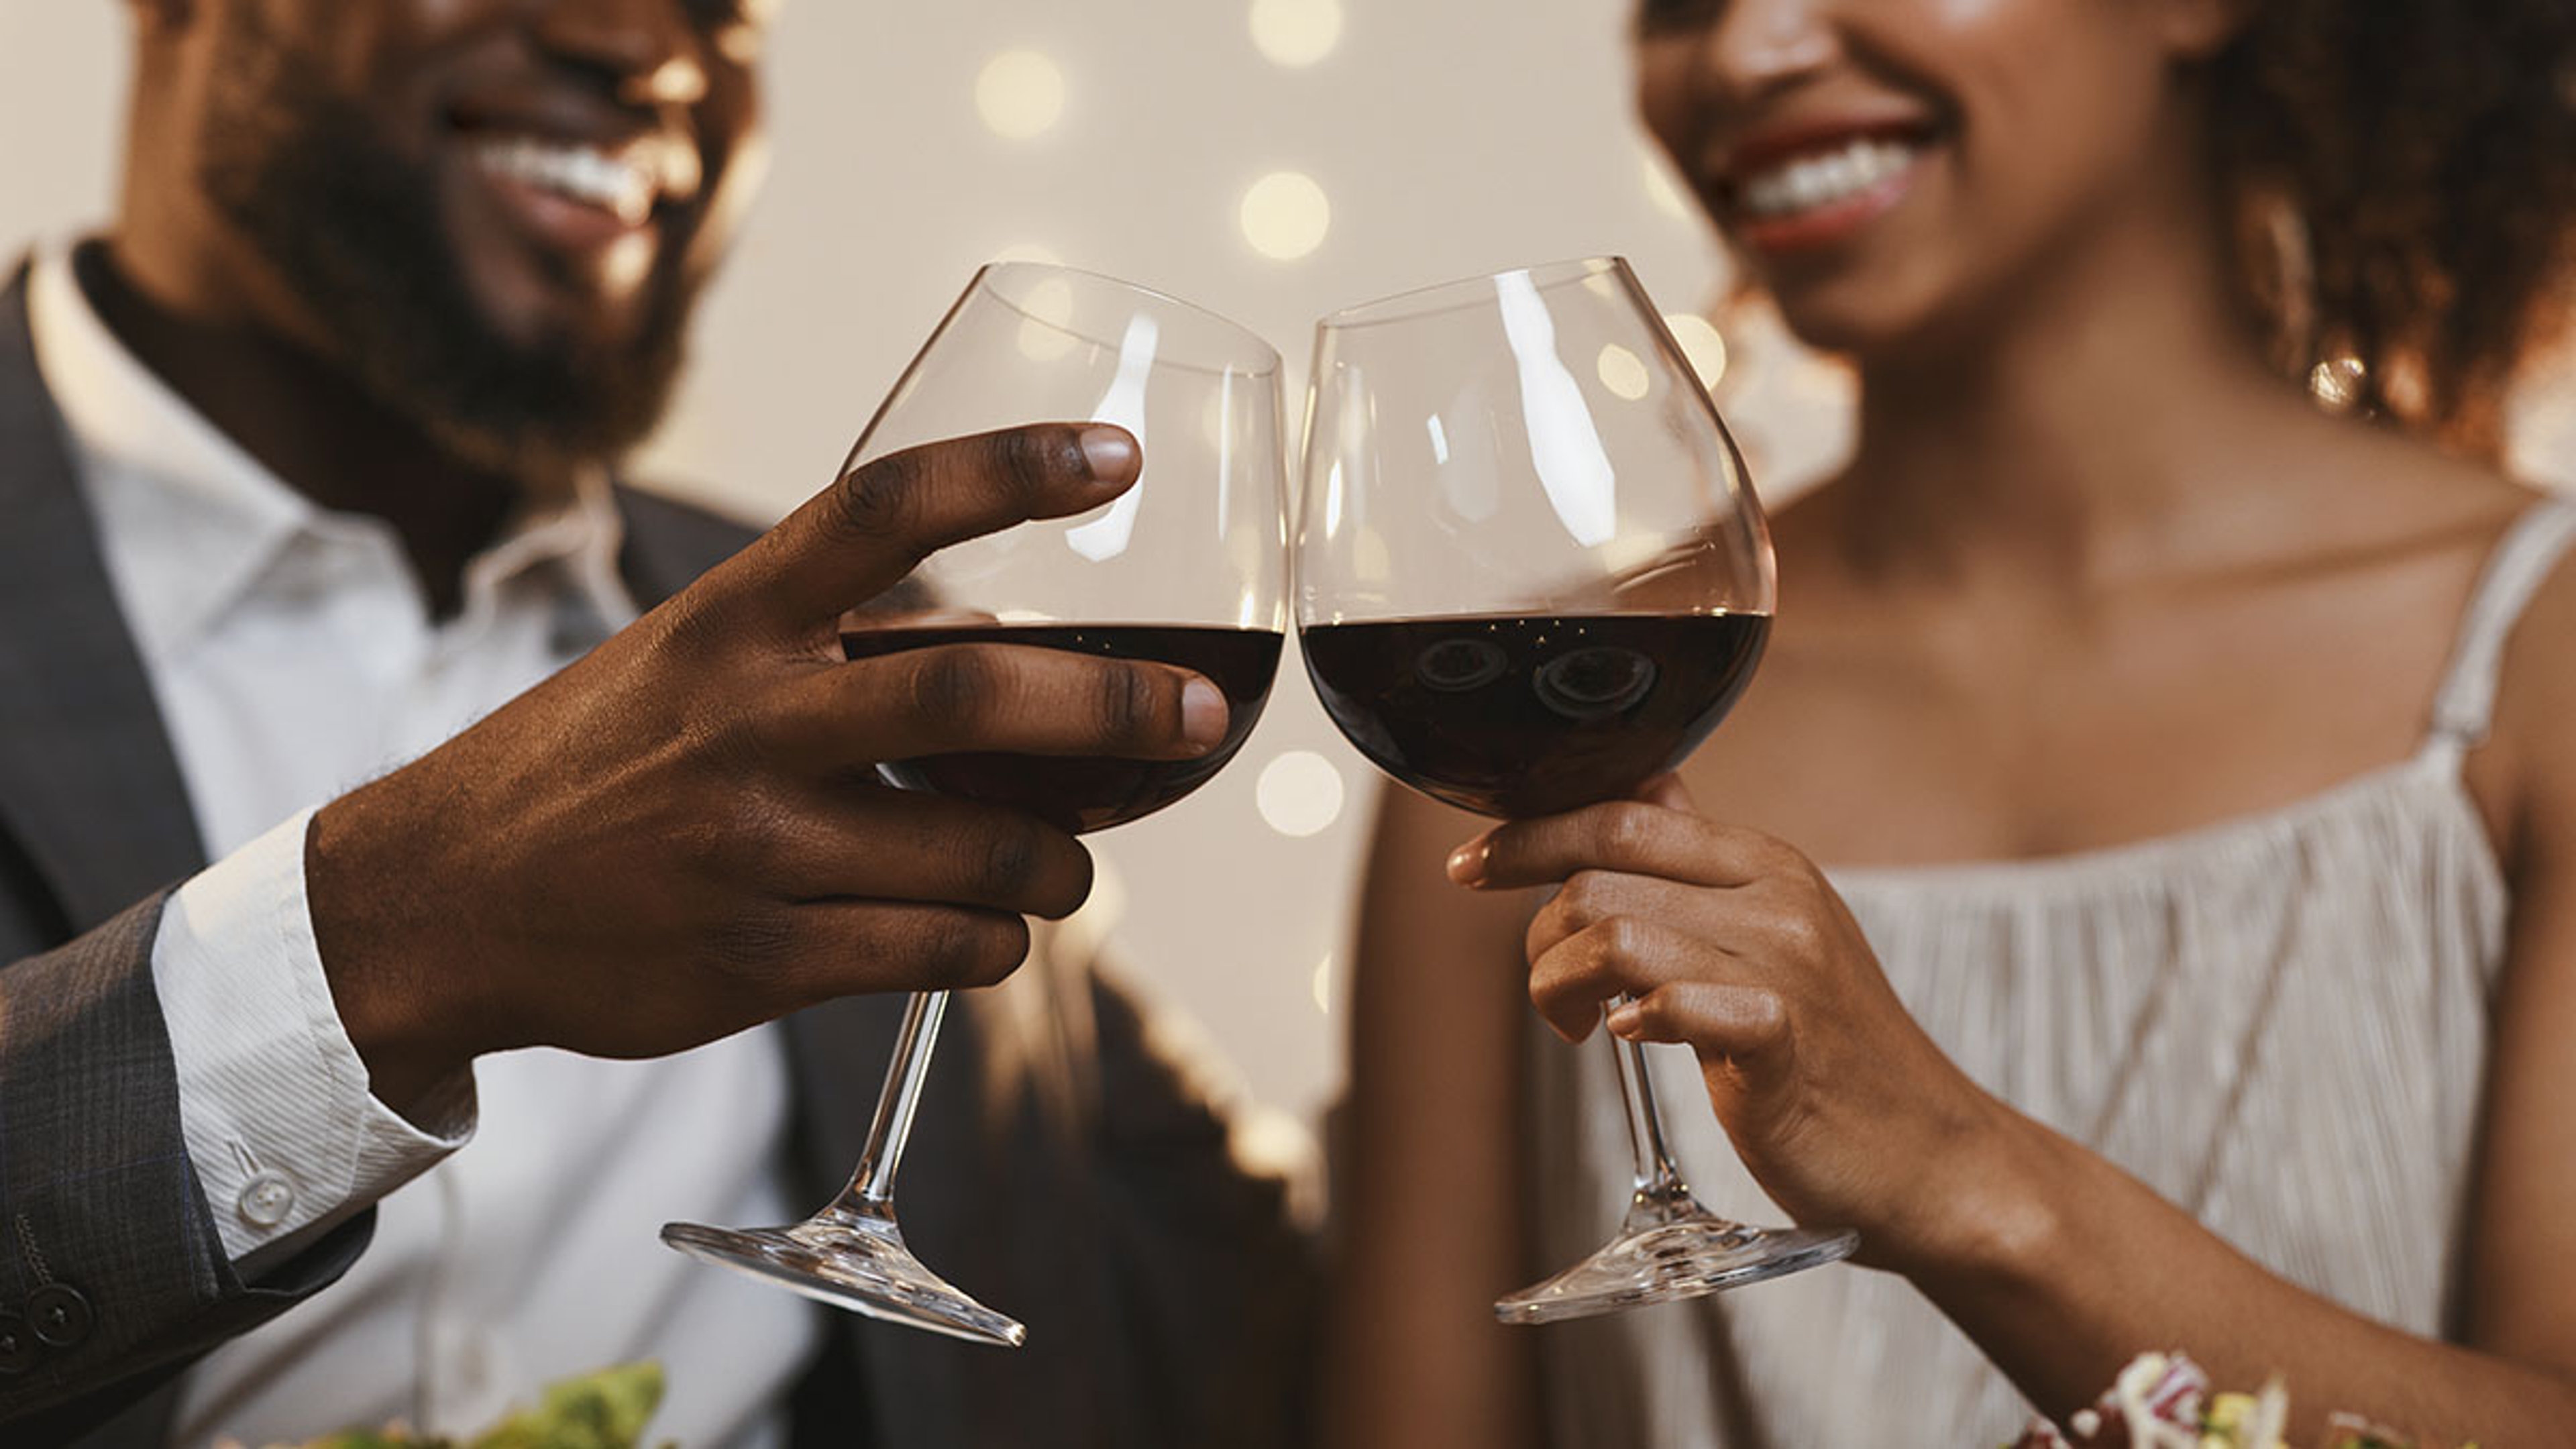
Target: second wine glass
{"x":1187,"y":567}
{"x":1531,"y":575}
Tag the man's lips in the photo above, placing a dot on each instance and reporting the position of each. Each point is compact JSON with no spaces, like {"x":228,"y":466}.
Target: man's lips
{"x":619,"y":183}
{"x":581,"y":198}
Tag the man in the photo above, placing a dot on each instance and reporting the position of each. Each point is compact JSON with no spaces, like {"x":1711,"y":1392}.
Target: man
{"x":304,"y":469}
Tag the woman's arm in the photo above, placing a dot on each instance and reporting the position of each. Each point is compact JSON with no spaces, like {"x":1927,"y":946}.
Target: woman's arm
{"x":2057,"y":1263}
{"x":1427,"y":1183}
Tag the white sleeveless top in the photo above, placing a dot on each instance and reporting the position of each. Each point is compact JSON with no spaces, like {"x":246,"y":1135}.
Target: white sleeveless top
{"x":2279,"y":1022}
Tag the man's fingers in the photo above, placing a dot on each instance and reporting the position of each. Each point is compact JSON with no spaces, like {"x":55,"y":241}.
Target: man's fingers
{"x":1012,"y":699}
{"x":848,"y":948}
{"x":855,"y":539}
{"x":1624,"y":835}
{"x":878,"y":843}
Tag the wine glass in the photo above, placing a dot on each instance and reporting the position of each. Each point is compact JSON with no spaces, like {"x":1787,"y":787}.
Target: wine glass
{"x":1186,"y":567}
{"x":1530,"y":576}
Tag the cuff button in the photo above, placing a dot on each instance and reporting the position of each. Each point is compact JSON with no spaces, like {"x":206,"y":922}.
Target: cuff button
{"x":17,"y":1345}
{"x":61,"y":1315}
{"x":265,"y":1199}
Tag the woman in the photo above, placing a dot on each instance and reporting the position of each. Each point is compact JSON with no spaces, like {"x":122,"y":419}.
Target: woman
{"x":2195,"y":949}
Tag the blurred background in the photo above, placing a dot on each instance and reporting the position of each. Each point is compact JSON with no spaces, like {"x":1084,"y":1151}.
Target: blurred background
{"x":1269,"y":159}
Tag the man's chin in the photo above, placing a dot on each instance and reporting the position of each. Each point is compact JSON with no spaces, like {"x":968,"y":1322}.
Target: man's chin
{"x":525,"y":437}
{"x":537,"y":384}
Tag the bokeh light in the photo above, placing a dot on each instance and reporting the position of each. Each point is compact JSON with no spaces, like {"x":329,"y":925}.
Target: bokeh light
{"x":1702,"y":343}
{"x":1044,"y":334}
{"x":1285,"y":215}
{"x":1020,"y":94}
{"x":1296,"y":32}
{"x":1623,"y":372}
{"x":1299,"y":793}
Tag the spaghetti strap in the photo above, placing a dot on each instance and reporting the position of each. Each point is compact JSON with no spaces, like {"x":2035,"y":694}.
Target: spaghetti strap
{"x":2530,"y":549}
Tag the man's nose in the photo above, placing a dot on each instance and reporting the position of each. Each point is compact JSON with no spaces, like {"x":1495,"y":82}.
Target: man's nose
{"x":647,"y":49}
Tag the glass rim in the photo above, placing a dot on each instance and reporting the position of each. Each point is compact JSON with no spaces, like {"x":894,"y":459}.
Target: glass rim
{"x":1265,"y":357}
{"x":1461,"y":293}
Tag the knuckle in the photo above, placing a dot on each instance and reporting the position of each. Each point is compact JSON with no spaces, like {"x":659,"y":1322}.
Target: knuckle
{"x":1005,"y":858}
{"x":733,"y":744}
{"x":1763,"y":1017}
{"x":1552,"y":984}
{"x":751,"y":835}
{"x":689,"y":626}
{"x":753,"y":945}
{"x":1028,"y":461}
{"x":1627,"y":829}
{"x":1798,"y":935}
{"x":1584,"y":899}
{"x":879,"y":499}
{"x":1622,"y":941}
{"x":973,"y":951}
{"x":953,"y":685}
{"x":1130,"y":701}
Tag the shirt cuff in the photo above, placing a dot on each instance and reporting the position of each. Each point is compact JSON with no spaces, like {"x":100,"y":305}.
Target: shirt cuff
{"x":286,"y":1138}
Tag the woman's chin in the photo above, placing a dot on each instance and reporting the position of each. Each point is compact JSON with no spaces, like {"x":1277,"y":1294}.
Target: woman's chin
{"x":1854,"y":327}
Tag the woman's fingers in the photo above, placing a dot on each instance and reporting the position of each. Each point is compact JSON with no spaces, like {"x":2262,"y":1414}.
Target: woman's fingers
{"x":1685,"y":990}
{"x":1570,"y":982}
{"x":1715,"y":1017}
{"x":1669,"y":792}
{"x":1623,"y":835}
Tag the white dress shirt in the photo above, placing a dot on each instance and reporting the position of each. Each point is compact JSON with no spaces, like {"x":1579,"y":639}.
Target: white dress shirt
{"x":293,"y":658}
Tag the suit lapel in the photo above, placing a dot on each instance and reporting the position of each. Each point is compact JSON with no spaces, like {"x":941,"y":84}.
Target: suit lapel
{"x":88,"y":785}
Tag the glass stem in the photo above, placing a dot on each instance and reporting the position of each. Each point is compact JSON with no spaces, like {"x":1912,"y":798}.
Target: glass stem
{"x":1659,"y":1187}
{"x":871,"y":1189}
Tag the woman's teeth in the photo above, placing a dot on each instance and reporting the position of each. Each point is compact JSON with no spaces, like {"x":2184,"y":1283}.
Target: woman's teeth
{"x":1822,"y":179}
{"x":577,"y":173}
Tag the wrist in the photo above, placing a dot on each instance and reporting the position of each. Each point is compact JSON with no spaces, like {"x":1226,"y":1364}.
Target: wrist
{"x":1999,"y":1213}
{"x":403,"y":1015}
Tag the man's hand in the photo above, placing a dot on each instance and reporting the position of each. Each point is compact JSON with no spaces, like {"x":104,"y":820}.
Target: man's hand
{"x":682,"y":834}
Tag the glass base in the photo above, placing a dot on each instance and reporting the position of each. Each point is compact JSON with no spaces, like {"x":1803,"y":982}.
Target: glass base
{"x":1671,"y":1251}
{"x":850,"y":1260}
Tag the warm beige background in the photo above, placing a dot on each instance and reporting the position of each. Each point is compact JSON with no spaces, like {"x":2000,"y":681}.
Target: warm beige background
{"x":1449,"y":137}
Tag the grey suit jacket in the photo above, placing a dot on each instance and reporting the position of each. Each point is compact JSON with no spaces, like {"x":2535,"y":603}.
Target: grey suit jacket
{"x":1168,"y":1301}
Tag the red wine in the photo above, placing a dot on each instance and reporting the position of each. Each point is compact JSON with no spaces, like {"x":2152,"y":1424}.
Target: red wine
{"x":1520,"y":716}
{"x":1089,"y":793}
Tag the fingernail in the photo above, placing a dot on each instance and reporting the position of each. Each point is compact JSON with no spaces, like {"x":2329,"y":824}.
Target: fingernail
{"x":1467,"y":862}
{"x":1203,"y":713}
{"x":1624,"y":1021}
{"x":1109,"y":452}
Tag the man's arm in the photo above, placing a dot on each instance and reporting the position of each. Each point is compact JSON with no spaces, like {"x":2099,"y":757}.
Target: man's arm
{"x":678,"y":837}
{"x":110,"y":1265}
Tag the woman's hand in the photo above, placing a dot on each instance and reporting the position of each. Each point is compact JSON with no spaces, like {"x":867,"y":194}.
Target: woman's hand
{"x":1732,"y":942}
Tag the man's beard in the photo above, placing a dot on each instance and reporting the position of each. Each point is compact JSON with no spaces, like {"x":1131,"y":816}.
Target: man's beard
{"x":354,"y":229}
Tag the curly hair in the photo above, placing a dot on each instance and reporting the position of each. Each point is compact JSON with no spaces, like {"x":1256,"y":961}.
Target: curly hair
{"x":2401,"y":176}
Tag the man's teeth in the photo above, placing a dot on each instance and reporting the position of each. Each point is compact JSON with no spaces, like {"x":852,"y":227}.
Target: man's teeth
{"x":578,"y":173}
{"x":1823,"y":179}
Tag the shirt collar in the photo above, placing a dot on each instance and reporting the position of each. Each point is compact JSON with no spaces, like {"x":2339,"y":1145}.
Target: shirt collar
{"x":191,"y":524}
